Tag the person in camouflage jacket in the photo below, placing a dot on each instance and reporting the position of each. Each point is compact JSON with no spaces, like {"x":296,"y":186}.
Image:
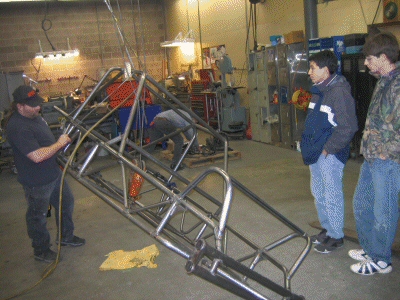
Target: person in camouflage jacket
{"x":376,"y":199}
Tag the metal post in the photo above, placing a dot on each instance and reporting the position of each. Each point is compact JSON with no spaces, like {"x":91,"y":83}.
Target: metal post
{"x":310,"y":19}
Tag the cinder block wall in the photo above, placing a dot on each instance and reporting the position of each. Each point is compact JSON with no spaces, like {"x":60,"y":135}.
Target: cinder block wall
{"x":89,"y":27}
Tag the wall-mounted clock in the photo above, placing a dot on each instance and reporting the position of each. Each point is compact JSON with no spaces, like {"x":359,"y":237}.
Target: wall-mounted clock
{"x":391,"y":11}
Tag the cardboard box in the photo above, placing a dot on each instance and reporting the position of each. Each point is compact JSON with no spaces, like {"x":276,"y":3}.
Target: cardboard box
{"x":294,"y":37}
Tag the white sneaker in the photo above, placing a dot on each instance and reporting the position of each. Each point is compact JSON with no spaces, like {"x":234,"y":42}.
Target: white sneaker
{"x":358,"y":254}
{"x":371,"y":267}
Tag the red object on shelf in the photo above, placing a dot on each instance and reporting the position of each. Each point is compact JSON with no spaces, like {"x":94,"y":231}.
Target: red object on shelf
{"x":203,"y":103}
{"x":249,"y":132}
{"x":207,"y":75}
{"x":207,"y":105}
{"x":119,"y":91}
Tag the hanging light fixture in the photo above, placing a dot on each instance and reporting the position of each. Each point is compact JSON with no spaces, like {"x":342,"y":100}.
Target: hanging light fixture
{"x":186,"y":45}
{"x":57,"y":54}
{"x":179,"y":40}
{"x":187,"y":50}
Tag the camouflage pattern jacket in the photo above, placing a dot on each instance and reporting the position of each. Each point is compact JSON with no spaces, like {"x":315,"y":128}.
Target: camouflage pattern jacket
{"x":382,"y":127}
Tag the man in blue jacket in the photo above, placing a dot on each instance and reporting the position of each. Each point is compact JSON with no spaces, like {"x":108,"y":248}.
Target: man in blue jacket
{"x":325,"y":146}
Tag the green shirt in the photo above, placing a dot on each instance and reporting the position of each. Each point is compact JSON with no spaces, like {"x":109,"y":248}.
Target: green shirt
{"x":382,"y":127}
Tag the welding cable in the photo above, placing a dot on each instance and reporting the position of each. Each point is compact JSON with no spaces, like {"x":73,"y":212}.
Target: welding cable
{"x":376,"y":12}
{"x":50,"y":268}
{"x":48,"y":27}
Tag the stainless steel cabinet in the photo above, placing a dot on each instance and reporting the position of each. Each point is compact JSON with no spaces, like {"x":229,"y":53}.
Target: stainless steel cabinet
{"x":259,"y":102}
{"x":274,"y":75}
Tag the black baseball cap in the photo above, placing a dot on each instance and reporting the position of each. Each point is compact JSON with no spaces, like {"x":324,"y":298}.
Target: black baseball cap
{"x":25,"y":94}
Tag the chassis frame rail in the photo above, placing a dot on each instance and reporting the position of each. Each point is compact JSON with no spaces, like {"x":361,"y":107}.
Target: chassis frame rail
{"x":188,"y":220}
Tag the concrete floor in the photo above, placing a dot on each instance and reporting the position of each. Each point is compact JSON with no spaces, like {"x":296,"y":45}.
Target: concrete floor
{"x":276,"y":175}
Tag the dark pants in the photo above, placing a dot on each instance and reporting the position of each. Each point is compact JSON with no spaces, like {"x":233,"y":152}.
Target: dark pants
{"x":163,"y":127}
{"x":38,"y":199}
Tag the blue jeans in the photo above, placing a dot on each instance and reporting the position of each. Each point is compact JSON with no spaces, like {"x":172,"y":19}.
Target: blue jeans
{"x":376,"y":207}
{"x":163,"y":127}
{"x":39,"y":198}
{"x":327,"y":189}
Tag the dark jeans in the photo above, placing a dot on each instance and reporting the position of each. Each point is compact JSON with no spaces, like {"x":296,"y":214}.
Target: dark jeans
{"x":163,"y":127}
{"x":38,"y":199}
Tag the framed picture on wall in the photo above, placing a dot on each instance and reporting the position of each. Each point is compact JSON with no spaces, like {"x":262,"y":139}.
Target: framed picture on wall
{"x":217,"y":52}
{"x":211,"y":54}
{"x":206,"y":56}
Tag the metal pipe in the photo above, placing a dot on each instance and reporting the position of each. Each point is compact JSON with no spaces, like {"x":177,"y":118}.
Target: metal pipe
{"x":219,"y":235}
{"x":89,"y":159}
{"x":201,"y":41}
{"x":310,"y":19}
{"x":164,"y":230}
{"x":132,"y":112}
{"x":96,"y":88}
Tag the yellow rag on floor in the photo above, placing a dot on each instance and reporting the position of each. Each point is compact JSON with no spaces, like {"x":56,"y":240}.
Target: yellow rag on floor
{"x":121,"y":260}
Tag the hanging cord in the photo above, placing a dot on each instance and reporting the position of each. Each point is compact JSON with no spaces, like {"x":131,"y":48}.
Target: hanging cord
{"x":201,"y":40}
{"x":241,"y":74}
{"x":253,"y":17}
{"x":135,"y":32}
{"x":246,"y":47}
{"x":37,"y":69}
{"x":125,"y":46}
{"x":100,"y":39}
{"x":46,"y":26}
{"x":376,"y":12}
{"x":119,"y":30}
{"x":252,"y":23}
{"x":187,"y":15}
{"x":363,"y":13}
{"x":248,"y":30}
{"x":166,"y":56}
{"x":142,"y":35}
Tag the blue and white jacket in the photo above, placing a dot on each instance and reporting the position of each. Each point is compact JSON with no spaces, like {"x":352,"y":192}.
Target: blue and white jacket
{"x":331,"y":121}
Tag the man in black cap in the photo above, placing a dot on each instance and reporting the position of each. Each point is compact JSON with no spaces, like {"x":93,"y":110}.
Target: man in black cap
{"x":35,"y":150}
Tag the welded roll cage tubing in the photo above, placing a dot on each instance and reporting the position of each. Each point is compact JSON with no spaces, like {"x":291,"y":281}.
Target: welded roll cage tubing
{"x":177,"y":201}
{"x":212,"y":264}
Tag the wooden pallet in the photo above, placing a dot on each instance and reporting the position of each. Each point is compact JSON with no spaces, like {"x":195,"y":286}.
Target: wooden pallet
{"x":200,"y":160}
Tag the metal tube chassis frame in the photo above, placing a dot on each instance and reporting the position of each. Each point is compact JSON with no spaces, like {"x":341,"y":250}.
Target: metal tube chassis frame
{"x":206,"y":253}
